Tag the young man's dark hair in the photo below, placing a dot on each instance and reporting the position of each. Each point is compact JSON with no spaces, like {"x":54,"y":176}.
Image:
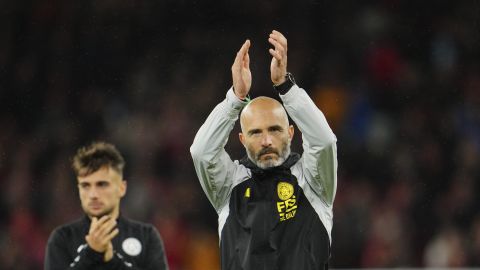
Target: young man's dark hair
{"x":103,"y":239}
{"x":95,"y":156}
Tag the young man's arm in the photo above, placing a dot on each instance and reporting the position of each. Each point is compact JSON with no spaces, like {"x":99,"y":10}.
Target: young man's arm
{"x":57,"y":256}
{"x":156,"y":256}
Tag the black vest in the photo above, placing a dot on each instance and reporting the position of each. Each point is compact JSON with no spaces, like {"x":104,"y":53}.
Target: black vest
{"x":271,"y":224}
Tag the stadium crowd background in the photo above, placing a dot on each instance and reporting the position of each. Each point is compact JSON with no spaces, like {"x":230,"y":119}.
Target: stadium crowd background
{"x":399,"y":81}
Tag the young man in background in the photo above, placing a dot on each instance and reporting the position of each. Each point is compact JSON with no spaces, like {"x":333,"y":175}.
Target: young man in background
{"x":103,"y":238}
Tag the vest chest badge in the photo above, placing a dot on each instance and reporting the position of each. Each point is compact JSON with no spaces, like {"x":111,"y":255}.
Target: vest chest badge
{"x":287,"y":207}
{"x":285,"y":190}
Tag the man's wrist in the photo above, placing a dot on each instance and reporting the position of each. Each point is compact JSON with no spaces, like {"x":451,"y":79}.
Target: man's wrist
{"x":93,"y":255}
{"x":288,"y":82}
{"x":244,"y":99}
{"x":108,"y":255}
{"x":281,"y":81}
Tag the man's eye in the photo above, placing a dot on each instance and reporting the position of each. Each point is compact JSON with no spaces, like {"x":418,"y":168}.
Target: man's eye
{"x":255,"y":132}
{"x":102,"y":184}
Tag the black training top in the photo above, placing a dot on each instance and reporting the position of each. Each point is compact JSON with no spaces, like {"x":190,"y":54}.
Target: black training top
{"x":137,"y":246}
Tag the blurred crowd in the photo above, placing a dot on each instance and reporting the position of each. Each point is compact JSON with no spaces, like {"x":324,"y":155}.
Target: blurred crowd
{"x":399,"y":82}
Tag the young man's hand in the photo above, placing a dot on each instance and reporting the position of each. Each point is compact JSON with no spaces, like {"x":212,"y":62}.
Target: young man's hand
{"x":101,"y":233}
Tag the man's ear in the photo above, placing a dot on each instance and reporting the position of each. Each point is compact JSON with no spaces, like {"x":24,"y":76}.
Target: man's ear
{"x":123,"y":188}
{"x":291,"y":131}
{"x":242,"y":138}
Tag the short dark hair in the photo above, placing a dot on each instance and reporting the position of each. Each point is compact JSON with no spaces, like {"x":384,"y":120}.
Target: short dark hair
{"x":93,"y":157}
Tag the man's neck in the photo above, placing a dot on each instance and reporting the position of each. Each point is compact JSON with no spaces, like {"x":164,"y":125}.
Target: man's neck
{"x":115,"y":213}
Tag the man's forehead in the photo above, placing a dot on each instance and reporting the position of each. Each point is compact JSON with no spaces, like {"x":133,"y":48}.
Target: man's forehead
{"x":264,"y":112}
{"x":266,"y":118}
{"x":103,"y":174}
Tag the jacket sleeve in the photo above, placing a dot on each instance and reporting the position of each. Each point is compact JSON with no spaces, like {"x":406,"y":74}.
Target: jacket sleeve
{"x":213,"y":165}
{"x":156,"y":258}
{"x":56,"y":255}
{"x":58,"y":258}
{"x":319,"y":158}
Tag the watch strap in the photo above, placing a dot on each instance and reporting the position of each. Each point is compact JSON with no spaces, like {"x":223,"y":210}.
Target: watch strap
{"x":283,"y":88}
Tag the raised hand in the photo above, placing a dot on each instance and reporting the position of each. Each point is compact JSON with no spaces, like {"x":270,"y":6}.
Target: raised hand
{"x":241,"y":75}
{"x":278,"y":67}
{"x":101,"y":233}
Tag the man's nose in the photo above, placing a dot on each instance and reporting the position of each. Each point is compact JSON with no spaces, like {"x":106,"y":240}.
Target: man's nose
{"x":266,"y":140}
{"x":93,"y":193}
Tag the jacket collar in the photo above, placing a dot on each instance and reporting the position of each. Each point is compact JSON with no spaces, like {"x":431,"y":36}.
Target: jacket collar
{"x":285,"y":166}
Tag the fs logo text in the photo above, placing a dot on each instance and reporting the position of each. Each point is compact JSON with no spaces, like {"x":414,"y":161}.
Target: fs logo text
{"x":287,"y":207}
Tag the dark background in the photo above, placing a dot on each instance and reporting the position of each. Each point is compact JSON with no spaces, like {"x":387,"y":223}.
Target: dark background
{"x":399,"y":82}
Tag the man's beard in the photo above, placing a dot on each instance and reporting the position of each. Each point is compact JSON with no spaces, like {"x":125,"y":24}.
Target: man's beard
{"x":270,"y":163}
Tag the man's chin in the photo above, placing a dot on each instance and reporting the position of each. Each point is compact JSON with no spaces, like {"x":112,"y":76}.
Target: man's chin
{"x":97,"y":213}
{"x":268,"y":163}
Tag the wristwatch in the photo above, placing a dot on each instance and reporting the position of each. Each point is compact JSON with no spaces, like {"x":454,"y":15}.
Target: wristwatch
{"x":285,"y":86}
